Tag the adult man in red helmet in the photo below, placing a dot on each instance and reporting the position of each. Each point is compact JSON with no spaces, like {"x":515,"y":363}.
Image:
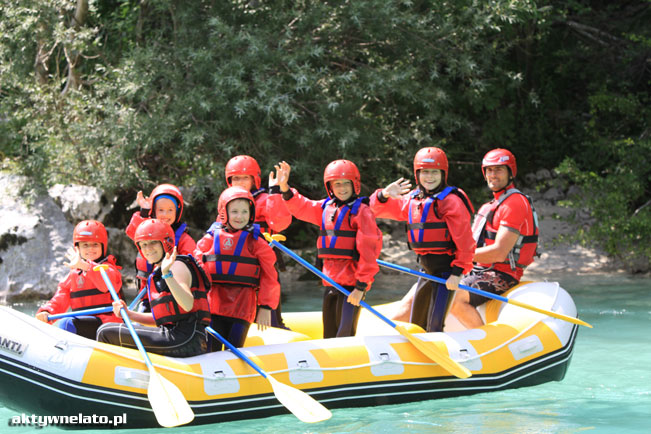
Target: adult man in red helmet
{"x":506,"y":232}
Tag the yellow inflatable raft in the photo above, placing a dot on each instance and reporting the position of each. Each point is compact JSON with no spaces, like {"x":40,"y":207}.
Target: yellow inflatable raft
{"x":45,"y":370}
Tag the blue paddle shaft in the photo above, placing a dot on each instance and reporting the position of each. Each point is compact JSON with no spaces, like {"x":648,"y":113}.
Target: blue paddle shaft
{"x":341,"y":289}
{"x":126,"y":319}
{"x":438,"y":279}
{"x":96,"y":311}
{"x":237,"y":352}
{"x":135,"y":301}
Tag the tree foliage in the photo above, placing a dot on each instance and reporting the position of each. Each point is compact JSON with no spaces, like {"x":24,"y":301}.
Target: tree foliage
{"x":141,"y":92}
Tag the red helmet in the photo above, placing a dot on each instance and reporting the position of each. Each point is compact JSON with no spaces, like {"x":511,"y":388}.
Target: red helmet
{"x":430,"y":158}
{"x":229,"y":195}
{"x":499,"y":157}
{"x":90,"y":231}
{"x":171,"y":192}
{"x":342,"y":169}
{"x":243,"y":165}
{"x":153,"y":229}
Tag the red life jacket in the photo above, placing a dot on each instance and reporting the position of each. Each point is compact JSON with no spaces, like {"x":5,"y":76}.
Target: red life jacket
{"x":430,"y":232}
{"x":484,"y":232}
{"x":337,"y":238}
{"x":85,"y":295}
{"x":163,"y":305}
{"x":144,"y":268}
{"x":229,"y":261}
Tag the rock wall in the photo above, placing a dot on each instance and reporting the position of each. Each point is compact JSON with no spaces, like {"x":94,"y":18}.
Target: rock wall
{"x":36,"y":231}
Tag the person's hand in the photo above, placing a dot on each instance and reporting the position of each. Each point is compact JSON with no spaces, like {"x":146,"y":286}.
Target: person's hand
{"x":167,"y":262}
{"x":453,"y":282}
{"x":74,"y":260}
{"x":143,"y":202}
{"x":272,"y":179}
{"x":117,"y":306}
{"x":42,"y":316}
{"x":355,"y":297}
{"x":263,"y":320}
{"x":397,"y":188}
{"x":282,"y":175}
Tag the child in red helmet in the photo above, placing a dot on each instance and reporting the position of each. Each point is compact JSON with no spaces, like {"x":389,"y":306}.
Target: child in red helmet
{"x":176,"y":289}
{"x":245,"y":284}
{"x":83,"y":288}
{"x":165,"y":203}
{"x":270,"y":214}
{"x":349,"y":243}
{"x":438,"y":230}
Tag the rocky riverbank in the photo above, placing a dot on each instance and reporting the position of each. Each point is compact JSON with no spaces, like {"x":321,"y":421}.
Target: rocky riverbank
{"x":36,"y":231}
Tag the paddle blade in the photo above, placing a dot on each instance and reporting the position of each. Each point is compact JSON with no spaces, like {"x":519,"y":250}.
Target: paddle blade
{"x":549,"y":313}
{"x":302,"y":405}
{"x":167,"y":401}
{"x":431,"y":351}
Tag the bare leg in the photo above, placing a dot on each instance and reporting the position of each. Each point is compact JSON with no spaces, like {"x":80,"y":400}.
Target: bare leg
{"x":464,"y":311}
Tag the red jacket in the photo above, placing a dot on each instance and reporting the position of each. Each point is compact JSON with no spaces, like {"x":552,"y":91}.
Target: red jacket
{"x":240,"y":301}
{"x":515,"y":212}
{"x":270,"y":213}
{"x":452,"y":213}
{"x":91,"y":285}
{"x":368,"y":240}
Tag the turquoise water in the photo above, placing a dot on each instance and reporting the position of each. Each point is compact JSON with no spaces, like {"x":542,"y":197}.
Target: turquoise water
{"x":607,"y":387}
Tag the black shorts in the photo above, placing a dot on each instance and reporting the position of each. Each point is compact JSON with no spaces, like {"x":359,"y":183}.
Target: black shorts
{"x":493,"y":281}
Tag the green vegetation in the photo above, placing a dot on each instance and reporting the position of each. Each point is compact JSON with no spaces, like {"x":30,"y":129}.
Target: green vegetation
{"x":125,"y":94}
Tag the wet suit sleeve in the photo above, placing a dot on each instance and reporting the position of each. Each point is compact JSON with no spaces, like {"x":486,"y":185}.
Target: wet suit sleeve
{"x":271,"y":209}
{"x":368,"y":242}
{"x":389,"y":207}
{"x":457,"y":218}
{"x":96,"y":277}
{"x":135,"y":221}
{"x":60,"y":301}
{"x":303,"y":208}
{"x":269,"y":293}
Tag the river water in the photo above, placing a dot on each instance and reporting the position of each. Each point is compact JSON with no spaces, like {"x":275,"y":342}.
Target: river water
{"x":607,"y":388}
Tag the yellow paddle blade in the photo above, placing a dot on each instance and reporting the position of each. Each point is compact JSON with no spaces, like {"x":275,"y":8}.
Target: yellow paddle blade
{"x":431,"y":351}
{"x":302,"y":405}
{"x":167,"y":401}
{"x":275,"y":237}
{"x":549,"y":313}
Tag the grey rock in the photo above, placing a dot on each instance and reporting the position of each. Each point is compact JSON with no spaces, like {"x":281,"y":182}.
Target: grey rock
{"x":553,"y":195}
{"x":543,"y":175}
{"x":79,"y":202}
{"x":35,"y":236}
{"x":530,"y":179}
{"x":574,"y":190}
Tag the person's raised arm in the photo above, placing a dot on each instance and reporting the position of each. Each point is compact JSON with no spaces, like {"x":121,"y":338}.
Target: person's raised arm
{"x":283,"y":170}
{"x":178,"y":278}
{"x":397,"y":188}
